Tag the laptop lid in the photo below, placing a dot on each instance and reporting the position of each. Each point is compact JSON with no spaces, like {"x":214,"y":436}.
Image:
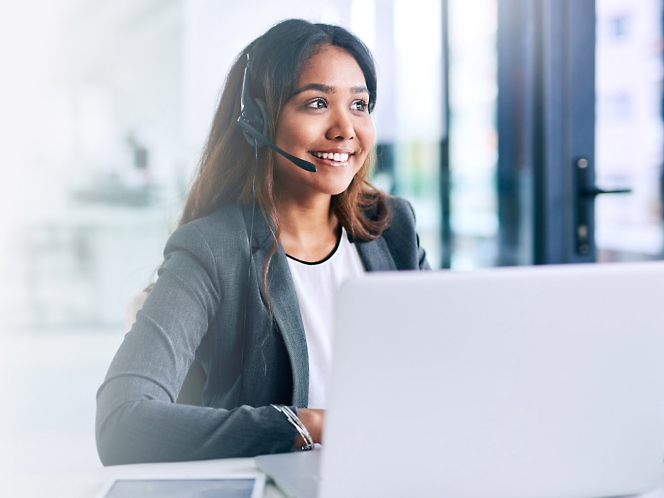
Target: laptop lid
{"x":521,"y":382}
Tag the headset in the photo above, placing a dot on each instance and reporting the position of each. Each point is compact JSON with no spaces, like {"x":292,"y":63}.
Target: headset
{"x":255,"y":126}
{"x":254,"y":122}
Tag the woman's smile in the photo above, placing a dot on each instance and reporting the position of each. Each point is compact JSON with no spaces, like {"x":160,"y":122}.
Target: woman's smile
{"x":335,"y":157}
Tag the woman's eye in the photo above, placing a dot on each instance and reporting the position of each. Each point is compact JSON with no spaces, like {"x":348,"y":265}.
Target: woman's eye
{"x":359,"y":105}
{"x":317,"y":104}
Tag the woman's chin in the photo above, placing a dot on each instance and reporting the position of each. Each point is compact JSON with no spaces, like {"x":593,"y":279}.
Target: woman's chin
{"x":338,"y":189}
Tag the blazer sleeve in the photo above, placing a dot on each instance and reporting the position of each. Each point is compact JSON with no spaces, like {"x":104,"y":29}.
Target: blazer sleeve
{"x":137,"y":418}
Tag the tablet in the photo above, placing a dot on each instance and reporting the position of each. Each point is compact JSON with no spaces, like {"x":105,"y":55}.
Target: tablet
{"x":226,"y":486}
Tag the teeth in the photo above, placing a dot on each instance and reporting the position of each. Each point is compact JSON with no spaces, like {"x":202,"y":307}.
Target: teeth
{"x":336,"y":156}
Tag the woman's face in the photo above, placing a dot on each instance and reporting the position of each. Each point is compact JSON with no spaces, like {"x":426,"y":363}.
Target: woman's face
{"x":327,"y":123}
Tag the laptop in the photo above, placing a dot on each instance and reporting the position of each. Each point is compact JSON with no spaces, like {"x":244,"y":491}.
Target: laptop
{"x":514,"y":382}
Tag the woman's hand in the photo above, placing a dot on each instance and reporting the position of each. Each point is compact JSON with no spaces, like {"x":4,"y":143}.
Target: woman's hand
{"x":313,"y":420}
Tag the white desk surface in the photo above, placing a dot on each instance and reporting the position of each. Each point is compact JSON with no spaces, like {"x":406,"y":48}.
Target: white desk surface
{"x":88,"y":483}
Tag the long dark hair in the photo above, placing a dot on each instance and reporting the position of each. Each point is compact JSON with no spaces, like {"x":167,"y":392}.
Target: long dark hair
{"x":225,"y":171}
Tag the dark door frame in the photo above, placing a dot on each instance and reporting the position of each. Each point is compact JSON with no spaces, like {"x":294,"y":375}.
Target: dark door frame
{"x":447,"y":236}
{"x":546,"y":129}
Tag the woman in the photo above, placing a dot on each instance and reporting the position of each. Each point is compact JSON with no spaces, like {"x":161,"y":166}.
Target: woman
{"x":247,"y":282}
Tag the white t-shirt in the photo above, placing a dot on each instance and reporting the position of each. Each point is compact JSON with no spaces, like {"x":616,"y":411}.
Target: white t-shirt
{"x":316,"y":285}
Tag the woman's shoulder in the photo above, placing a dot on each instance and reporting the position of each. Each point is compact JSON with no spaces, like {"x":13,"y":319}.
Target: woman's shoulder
{"x":401,"y":212}
{"x":401,"y":208}
{"x":402,"y":218}
{"x":402,"y":239}
{"x":223,"y":227}
{"x":230,"y":217}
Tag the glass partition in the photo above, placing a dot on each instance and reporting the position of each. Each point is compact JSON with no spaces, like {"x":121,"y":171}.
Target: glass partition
{"x":629,"y":132}
{"x":473,"y":137}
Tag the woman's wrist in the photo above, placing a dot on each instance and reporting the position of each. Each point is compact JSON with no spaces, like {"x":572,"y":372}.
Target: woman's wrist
{"x":303,"y":437}
{"x":313,"y":420}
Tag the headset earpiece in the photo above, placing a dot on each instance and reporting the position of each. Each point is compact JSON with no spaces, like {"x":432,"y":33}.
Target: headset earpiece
{"x":264,"y":119}
{"x":253,"y":112}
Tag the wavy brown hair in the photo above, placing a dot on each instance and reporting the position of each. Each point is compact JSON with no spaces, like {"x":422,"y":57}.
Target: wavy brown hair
{"x":226,"y":168}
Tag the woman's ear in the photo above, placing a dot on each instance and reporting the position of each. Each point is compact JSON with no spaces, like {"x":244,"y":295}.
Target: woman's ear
{"x":266,"y":122}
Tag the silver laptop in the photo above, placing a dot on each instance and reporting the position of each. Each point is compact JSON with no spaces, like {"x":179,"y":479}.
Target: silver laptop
{"x":522,"y":382}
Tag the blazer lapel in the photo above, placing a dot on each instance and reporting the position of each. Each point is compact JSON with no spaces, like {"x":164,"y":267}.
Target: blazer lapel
{"x":282,"y":301}
{"x":376,"y":255}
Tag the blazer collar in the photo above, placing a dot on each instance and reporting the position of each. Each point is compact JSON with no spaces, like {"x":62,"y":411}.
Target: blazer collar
{"x":282,"y":301}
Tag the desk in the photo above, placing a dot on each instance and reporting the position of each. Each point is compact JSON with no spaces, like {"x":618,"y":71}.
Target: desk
{"x":87,"y":483}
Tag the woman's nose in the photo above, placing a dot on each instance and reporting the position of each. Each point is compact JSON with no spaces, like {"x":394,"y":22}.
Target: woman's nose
{"x":341,"y":127}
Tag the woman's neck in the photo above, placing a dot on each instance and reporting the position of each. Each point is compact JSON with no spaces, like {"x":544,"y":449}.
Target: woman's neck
{"x":308,"y":231}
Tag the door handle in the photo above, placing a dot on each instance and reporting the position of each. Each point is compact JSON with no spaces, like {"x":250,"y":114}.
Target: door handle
{"x":593,"y":192}
{"x":585,"y":195}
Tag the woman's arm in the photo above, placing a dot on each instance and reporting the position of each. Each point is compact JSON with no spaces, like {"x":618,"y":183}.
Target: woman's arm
{"x":137,"y":418}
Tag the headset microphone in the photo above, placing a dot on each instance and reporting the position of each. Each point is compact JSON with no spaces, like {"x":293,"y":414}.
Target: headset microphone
{"x":254,"y":123}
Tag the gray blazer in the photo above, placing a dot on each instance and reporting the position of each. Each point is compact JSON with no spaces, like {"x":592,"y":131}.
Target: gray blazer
{"x":196,"y":311}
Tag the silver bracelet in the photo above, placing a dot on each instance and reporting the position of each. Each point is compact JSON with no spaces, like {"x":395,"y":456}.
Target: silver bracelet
{"x":297,"y":423}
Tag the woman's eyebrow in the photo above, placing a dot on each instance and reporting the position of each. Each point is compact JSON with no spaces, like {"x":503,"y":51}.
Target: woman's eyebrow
{"x":329,"y":89}
{"x":359,"y":89}
{"x":315,"y":86}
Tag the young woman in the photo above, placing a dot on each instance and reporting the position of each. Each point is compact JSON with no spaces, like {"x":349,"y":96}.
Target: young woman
{"x":248,"y":279}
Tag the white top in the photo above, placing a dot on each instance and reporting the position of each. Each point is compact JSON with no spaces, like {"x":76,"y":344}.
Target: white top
{"x":316,"y":285}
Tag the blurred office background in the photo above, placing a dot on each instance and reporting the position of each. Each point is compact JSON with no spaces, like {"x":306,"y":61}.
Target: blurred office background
{"x":106,"y":104}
